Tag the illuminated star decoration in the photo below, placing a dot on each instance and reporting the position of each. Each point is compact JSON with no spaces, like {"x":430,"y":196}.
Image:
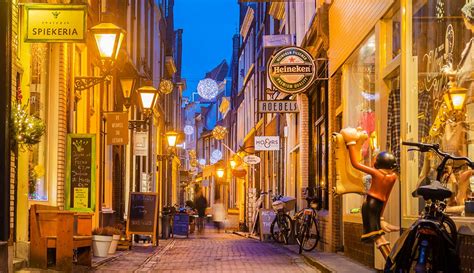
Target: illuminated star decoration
{"x":208,"y":88}
{"x":188,"y":130}
{"x":202,"y":162}
{"x":166,"y":87}
{"x":219,"y":132}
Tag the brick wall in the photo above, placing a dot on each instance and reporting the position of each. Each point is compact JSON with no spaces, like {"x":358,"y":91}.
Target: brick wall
{"x":354,"y":248}
{"x":335,"y":216}
{"x":304,"y":128}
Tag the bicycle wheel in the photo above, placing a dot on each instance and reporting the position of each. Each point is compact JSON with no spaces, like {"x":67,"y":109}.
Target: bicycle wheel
{"x":310,"y":235}
{"x":281,"y":228}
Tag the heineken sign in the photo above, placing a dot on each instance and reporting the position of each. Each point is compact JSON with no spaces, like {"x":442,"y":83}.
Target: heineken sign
{"x":291,"y":70}
{"x":55,"y":23}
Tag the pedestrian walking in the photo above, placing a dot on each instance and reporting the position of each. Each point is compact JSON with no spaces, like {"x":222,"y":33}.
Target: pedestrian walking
{"x":218,"y":215}
{"x":201,"y":204}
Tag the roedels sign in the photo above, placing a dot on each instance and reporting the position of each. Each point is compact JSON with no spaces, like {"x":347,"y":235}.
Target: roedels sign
{"x":55,"y":23}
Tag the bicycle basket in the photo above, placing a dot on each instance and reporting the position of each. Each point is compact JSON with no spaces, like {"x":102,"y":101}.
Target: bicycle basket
{"x":285,"y":203}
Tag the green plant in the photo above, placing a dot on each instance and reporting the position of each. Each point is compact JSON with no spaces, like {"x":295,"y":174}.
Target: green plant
{"x":27,"y":129}
{"x":110,"y":231}
{"x":98,"y":231}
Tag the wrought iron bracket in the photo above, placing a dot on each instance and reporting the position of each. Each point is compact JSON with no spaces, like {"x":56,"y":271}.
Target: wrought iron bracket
{"x":134,"y":124}
{"x":164,"y":157}
{"x":86,"y":82}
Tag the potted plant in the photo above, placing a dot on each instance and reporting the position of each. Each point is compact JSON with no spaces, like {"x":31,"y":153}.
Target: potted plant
{"x":101,"y":242}
{"x":115,"y":233}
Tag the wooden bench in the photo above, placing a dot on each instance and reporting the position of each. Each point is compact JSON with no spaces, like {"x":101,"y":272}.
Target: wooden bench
{"x":64,"y":231}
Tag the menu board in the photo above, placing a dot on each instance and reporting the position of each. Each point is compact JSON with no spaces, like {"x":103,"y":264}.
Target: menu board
{"x":80,"y":173}
{"x":142,"y":213}
{"x":181,"y":224}
{"x":266,"y":218}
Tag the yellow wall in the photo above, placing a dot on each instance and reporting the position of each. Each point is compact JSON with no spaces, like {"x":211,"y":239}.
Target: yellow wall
{"x":349,"y":23}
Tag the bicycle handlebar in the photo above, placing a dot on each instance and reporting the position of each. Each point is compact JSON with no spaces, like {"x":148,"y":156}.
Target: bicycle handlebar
{"x":423,"y":147}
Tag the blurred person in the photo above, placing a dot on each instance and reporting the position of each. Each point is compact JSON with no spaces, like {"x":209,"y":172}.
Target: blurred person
{"x":218,"y":215}
{"x":200,"y":204}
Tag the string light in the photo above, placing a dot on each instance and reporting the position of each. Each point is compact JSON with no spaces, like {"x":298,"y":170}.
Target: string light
{"x":188,"y":130}
{"x":216,"y":155}
{"x":208,"y":88}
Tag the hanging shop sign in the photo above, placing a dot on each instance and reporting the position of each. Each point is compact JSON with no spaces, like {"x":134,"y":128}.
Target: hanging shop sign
{"x":276,"y":40}
{"x":117,"y":128}
{"x":140,"y":144}
{"x":291,"y":70}
{"x":251,"y":159}
{"x":80,"y":173}
{"x":55,"y":23}
{"x":277,"y":106}
{"x":267,"y":143}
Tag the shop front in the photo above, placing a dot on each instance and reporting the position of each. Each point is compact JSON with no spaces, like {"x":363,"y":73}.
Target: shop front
{"x":409,"y":78}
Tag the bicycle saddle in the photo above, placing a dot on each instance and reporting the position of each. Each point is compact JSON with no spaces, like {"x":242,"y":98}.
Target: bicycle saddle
{"x":434,"y":191}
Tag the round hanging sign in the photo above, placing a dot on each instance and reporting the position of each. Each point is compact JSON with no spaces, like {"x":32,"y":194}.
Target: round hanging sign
{"x":291,"y":70}
{"x":251,"y":159}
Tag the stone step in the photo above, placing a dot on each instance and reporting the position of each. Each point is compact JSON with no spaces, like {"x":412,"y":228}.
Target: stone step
{"x":19,"y":264}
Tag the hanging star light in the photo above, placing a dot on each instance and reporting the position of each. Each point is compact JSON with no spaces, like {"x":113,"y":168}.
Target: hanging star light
{"x":216,"y":155}
{"x":213,"y":161}
{"x":192,"y":153}
{"x":208,"y":88}
{"x":188,"y":130}
{"x":219,"y":132}
{"x":166,"y":87}
{"x":202,"y":162}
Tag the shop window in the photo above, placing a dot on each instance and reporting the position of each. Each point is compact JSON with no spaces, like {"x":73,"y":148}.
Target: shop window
{"x":37,"y":180}
{"x":358,"y":89}
{"x":396,"y":34}
{"x":442,"y":41}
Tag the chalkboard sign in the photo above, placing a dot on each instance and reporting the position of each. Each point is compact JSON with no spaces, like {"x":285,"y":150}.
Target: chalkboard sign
{"x":266,"y":218}
{"x":181,"y":224}
{"x":142,"y":213}
{"x":80,"y":173}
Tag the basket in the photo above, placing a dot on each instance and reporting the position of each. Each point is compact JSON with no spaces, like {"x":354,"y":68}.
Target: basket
{"x":285,"y":203}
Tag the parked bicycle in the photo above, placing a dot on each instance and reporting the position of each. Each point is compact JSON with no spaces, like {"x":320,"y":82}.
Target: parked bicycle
{"x":429,"y":245}
{"x":281,"y":226}
{"x":306,"y":224}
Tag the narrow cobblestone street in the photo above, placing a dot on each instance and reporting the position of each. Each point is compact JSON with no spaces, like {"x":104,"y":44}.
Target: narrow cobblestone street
{"x":210,"y":252}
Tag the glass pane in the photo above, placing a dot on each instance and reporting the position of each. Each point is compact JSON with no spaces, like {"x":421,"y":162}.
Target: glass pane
{"x":38,"y":186}
{"x":442,"y":41}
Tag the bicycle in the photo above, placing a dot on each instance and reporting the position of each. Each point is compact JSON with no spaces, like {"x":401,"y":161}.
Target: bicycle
{"x":429,"y":245}
{"x":306,"y":226}
{"x":281,"y":226}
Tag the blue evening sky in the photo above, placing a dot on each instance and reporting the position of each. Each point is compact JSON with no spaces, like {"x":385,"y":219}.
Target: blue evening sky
{"x":208,"y":27}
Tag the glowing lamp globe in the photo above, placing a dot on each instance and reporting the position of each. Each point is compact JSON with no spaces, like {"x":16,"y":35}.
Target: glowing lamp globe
{"x":219,"y":132}
{"x":202,"y":162}
{"x":188,"y":130}
{"x":220,"y":172}
{"x":208,"y":88}
{"x":166,"y":87}
{"x":108,"y":38}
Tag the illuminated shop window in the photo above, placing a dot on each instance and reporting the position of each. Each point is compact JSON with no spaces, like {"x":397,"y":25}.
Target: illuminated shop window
{"x":442,"y":41}
{"x":37,"y":179}
{"x":359,"y":104}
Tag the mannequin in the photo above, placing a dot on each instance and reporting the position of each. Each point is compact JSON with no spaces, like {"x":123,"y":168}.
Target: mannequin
{"x":383,"y":179}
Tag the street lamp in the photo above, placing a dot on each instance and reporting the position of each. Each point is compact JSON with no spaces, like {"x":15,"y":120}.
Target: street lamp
{"x":172,"y":138}
{"x":108,"y":39}
{"x":148,"y":96}
{"x":220,"y":172}
{"x":127,"y":87}
{"x":233,"y":164}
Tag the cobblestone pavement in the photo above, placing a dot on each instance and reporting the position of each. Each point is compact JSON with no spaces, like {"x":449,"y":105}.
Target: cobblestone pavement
{"x":210,"y":252}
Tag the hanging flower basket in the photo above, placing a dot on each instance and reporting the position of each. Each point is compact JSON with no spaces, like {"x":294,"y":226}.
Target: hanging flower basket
{"x":27,"y":129}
